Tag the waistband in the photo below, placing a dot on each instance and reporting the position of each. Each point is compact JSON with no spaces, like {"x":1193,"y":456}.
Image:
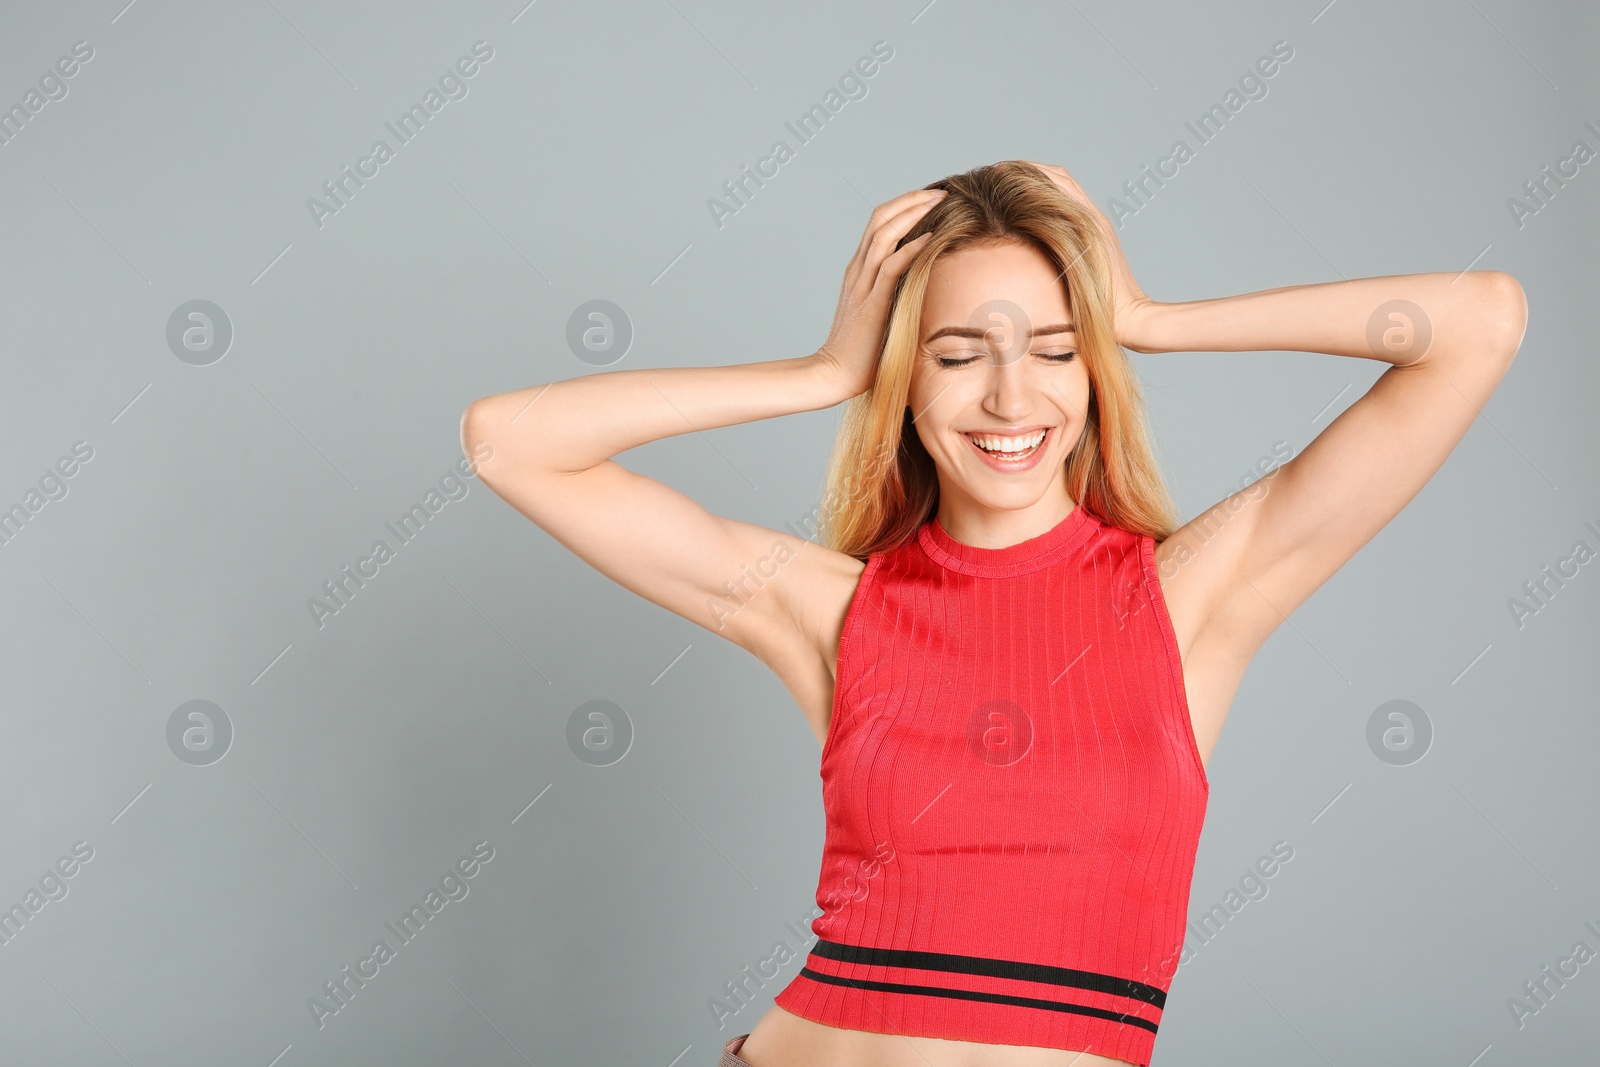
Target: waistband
{"x":730,"y":1053}
{"x":974,"y":998}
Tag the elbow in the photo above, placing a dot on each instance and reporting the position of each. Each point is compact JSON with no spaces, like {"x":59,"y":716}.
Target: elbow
{"x":505,"y":439}
{"x":1505,"y":306}
{"x":477,"y":436}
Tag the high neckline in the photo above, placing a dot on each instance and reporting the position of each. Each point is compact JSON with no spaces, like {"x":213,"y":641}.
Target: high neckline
{"x":1020,"y":558}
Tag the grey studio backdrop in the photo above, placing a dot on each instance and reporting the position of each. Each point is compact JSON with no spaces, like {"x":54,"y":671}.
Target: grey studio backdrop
{"x":220,"y":797}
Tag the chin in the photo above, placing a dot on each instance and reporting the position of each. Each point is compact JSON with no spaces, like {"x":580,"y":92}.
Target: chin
{"x":1011,"y":497}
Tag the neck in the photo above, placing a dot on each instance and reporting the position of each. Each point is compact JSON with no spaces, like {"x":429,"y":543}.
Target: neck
{"x":976,"y":524}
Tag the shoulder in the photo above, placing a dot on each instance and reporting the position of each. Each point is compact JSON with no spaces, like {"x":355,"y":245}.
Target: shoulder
{"x":1121,"y":564}
{"x":1126,"y":550}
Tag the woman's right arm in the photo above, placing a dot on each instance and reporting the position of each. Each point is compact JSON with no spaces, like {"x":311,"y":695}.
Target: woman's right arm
{"x":549,"y":450}
{"x":550,"y":447}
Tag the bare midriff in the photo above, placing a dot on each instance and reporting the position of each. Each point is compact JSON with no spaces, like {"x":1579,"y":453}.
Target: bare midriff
{"x":783,"y":1039}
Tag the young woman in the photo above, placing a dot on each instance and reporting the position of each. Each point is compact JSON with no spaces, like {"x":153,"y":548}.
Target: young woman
{"x":1016,"y":665}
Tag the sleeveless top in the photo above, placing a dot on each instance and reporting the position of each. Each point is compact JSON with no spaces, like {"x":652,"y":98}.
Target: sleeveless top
{"x":1013,"y":795}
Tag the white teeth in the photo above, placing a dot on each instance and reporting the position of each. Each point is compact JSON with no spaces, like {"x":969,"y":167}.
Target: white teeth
{"x":991,"y":443}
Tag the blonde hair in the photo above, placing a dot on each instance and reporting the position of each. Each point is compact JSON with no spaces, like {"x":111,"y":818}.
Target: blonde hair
{"x":882,"y":484}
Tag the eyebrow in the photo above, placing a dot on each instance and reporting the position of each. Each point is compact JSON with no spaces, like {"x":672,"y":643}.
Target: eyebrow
{"x":977,"y":334}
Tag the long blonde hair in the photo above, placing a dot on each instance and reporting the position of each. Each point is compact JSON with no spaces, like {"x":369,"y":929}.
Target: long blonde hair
{"x":882,"y":484}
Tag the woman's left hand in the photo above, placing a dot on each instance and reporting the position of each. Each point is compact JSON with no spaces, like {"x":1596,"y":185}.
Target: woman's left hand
{"x":1129,"y":306}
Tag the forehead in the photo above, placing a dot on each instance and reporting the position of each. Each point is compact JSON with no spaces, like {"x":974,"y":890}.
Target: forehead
{"x":964,"y":281}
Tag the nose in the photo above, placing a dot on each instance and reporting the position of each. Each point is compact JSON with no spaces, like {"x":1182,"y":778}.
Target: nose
{"x":1009,"y":389}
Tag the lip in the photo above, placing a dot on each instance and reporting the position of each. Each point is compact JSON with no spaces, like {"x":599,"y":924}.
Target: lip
{"x":1008,"y":466}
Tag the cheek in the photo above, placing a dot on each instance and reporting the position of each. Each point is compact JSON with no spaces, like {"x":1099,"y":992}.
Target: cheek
{"x":1072,"y":438}
{"x":935,"y":406}
{"x":917,"y":391}
{"x":1073,"y":395}
{"x":928,"y":435}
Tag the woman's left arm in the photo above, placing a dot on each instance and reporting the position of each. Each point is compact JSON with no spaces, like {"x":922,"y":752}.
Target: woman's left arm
{"x":1449,"y":340}
{"x":1250,"y":560}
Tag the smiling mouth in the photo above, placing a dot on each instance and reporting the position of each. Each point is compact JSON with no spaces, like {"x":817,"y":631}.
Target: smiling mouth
{"x":1009,"y":448}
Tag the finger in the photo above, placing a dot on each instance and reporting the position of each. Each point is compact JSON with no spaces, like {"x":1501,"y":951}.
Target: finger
{"x":891,"y":209}
{"x":1049,"y":169}
{"x":874,"y":302}
{"x":1060,"y":176}
{"x":885,"y":210}
{"x":893,"y":266}
{"x":889,"y":232}
{"x":895,"y":217}
{"x":1056,"y":170}
{"x":871,"y":305}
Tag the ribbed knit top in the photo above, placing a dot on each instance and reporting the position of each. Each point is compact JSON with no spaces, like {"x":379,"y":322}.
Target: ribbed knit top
{"x":1013,"y":797}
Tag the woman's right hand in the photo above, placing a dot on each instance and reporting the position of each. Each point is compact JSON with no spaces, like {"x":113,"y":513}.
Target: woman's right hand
{"x":854,"y":346}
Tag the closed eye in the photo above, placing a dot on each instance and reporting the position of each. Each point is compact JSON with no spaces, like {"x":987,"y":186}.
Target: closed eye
{"x":1053,"y":357}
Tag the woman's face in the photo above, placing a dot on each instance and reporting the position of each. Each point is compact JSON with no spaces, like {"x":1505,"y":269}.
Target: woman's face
{"x":996,"y":362}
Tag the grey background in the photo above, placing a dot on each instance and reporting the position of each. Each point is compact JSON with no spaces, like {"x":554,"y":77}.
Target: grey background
{"x":371,"y":753}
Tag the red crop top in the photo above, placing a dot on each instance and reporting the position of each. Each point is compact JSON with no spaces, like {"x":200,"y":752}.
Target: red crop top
{"x":1013,"y":797}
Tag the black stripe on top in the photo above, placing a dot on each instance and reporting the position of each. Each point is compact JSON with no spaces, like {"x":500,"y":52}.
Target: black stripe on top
{"x":1027,"y":972}
{"x":967,"y":994}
